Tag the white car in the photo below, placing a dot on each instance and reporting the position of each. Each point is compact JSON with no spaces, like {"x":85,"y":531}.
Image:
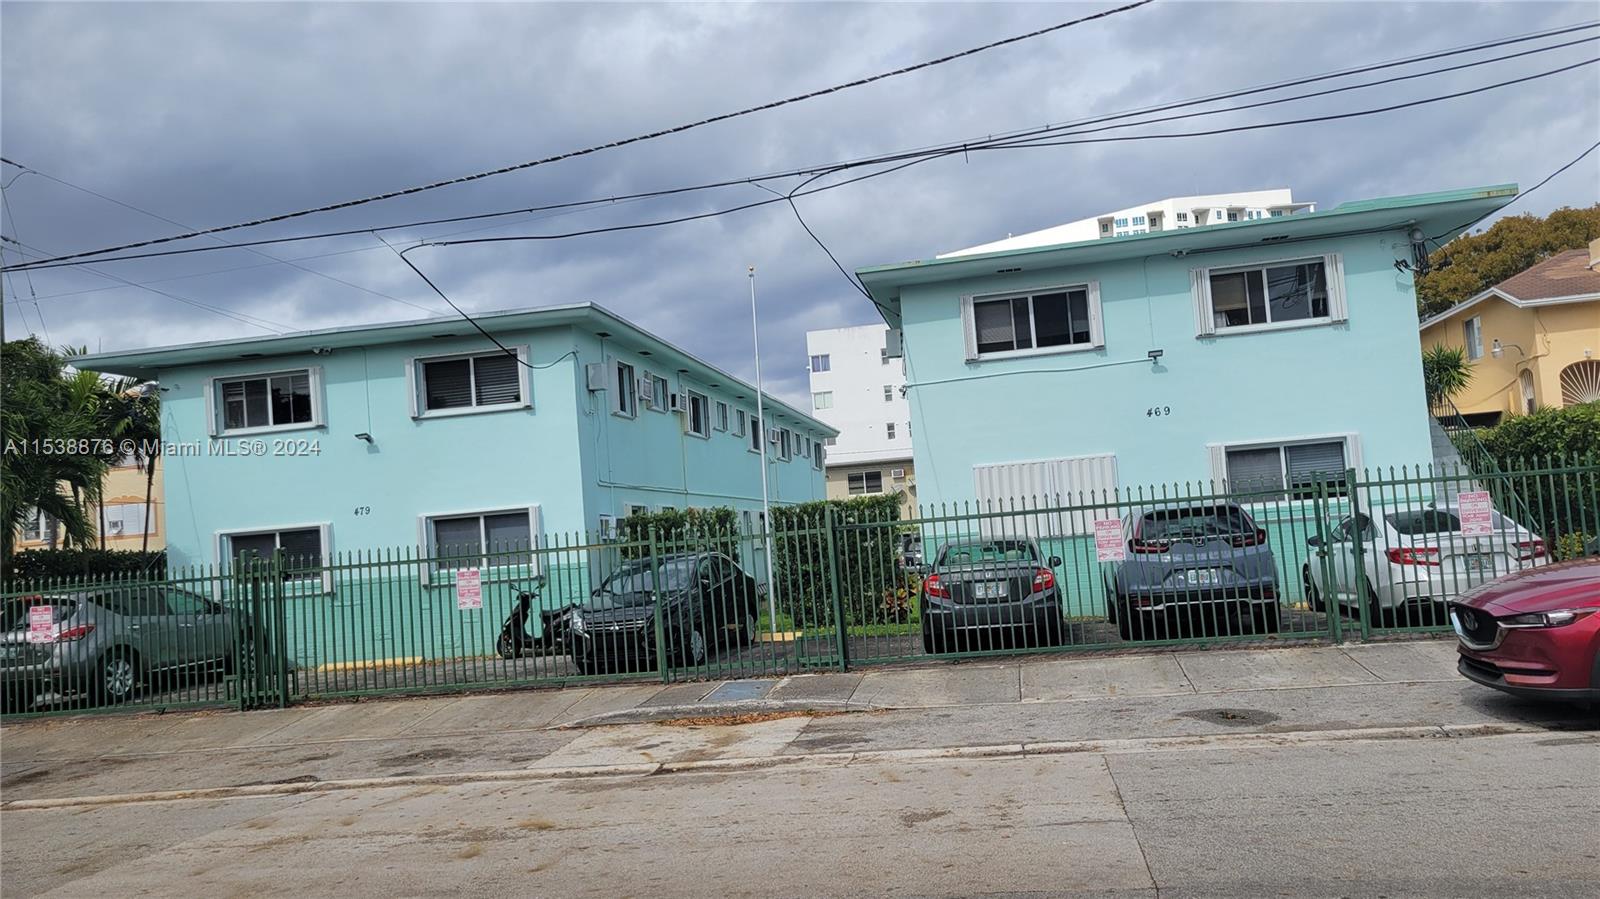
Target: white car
{"x":1413,"y":556}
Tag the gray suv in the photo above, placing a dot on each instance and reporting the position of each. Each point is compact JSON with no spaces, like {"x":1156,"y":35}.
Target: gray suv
{"x":105,"y":643}
{"x":1196,"y":566}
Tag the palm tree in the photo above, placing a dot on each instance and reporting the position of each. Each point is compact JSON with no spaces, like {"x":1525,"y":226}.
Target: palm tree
{"x":1445,"y":373}
{"x":43,"y":408}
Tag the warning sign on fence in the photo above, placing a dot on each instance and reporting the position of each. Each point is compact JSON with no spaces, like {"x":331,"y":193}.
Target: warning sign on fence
{"x":41,"y":624}
{"x":1477,"y":513}
{"x":1108,"y":545}
{"x":469,"y":589}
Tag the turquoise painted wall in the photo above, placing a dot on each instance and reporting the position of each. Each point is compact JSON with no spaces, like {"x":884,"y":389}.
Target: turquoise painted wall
{"x":1362,"y":376}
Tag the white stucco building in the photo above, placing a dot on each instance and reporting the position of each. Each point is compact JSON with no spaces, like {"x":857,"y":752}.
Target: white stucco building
{"x":856,"y":388}
{"x":1161,"y":215}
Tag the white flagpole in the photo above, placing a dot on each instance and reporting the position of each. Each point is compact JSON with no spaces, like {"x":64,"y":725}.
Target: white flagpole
{"x":761,"y":425}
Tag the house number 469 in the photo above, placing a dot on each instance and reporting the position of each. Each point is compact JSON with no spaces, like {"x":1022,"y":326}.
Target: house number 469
{"x":1157,"y":411}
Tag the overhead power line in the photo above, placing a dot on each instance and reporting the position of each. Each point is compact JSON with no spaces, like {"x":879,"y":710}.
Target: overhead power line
{"x":572,"y":154}
{"x":1546,"y":180}
{"x":997,"y":140}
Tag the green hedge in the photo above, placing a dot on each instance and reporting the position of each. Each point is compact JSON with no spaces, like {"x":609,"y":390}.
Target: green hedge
{"x":1565,"y":510}
{"x":681,"y":530}
{"x":41,"y":564}
{"x":864,"y":560}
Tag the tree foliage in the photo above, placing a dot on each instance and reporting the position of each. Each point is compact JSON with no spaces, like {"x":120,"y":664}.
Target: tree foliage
{"x":1472,"y":263}
{"x":1445,"y":372}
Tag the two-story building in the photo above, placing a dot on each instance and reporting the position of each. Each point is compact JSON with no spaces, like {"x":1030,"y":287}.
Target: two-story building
{"x":424,"y":435}
{"x":1247,"y":354}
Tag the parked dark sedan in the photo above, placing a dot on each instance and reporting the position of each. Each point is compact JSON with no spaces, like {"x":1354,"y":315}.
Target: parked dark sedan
{"x":985,"y":591}
{"x":1196,"y":566}
{"x":707,"y":602}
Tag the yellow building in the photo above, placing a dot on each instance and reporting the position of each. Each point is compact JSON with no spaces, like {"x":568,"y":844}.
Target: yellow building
{"x":121,"y":520}
{"x":1533,"y":339}
{"x":873,"y":478}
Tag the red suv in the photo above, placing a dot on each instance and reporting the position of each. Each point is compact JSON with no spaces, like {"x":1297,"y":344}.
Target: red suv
{"x":1535,"y":633}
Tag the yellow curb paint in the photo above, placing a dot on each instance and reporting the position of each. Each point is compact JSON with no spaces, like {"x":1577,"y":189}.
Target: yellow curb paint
{"x":374,"y":663}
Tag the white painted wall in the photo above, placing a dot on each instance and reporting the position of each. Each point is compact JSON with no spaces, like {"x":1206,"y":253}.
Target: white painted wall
{"x":856,"y":377}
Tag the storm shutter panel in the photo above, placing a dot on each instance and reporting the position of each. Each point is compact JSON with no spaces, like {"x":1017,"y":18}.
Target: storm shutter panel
{"x":448,"y":384}
{"x":1307,"y":462}
{"x":1097,"y":328}
{"x":1255,"y":469}
{"x":498,"y":379}
{"x":1218,"y":458}
{"x":969,"y":329}
{"x":1200,"y":288}
{"x":1338,"y":304}
{"x":211,"y":407}
{"x":411,"y":387}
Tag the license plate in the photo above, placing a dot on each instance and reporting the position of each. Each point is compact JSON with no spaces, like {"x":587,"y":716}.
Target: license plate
{"x":1478,"y":562}
{"x":1202,"y":577}
{"x":10,"y":652}
{"x":988,"y":590}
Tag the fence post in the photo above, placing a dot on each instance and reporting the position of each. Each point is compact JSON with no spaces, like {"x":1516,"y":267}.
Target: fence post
{"x":1330,"y":603}
{"x":280,"y":632}
{"x":841,"y":638}
{"x":1358,"y":565}
{"x":655,"y":602}
{"x":250,"y":675}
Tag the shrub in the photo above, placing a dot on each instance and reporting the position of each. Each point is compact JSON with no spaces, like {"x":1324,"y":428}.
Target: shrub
{"x":681,"y":530}
{"x":1554,"y":504}
{"x":77,"y":564}
{"x":865,"y":544}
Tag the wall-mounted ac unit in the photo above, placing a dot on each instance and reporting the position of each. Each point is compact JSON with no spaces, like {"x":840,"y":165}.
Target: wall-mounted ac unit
{"x":898,"y":474}
{"x":647,"y":389}
{"x":679,"y":402}
{"x":595,"y":375}
{"x":774,"y":435}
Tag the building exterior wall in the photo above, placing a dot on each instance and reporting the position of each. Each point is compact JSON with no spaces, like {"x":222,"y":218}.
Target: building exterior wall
{"x":1542,"y":340}
{"x":906,"y":483}
{"x":857,"y":382}
{"x":123,"y":492}
{"x":1362,"y":376}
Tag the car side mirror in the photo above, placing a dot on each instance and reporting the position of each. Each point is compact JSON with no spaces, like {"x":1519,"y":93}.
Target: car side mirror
{"x":1313,"y":540}
{"x":1055,"y":561}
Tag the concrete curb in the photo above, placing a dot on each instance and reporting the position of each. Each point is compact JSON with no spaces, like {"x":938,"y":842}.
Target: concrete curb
{"x":879,"y":756}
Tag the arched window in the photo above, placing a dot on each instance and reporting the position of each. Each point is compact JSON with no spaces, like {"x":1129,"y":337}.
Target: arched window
{"x":1580,"y":383}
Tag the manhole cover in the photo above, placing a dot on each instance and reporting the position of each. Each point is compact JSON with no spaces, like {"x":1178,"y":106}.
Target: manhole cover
{"x":1232,"y":717}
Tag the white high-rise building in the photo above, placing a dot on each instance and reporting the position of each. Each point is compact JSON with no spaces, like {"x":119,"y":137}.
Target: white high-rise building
{"x":856,"y":387}
{"x":1161,"y":215}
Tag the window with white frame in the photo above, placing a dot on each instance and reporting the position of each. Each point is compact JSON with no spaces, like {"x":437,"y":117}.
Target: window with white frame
{"x":785,"y":445}
{"x":888,"y":393}
{"x":822,"y":399}
{"x":740,"y":422}
{"x":821,"y":362}
{"x":830,"y":441}
{"x":818,"y":454}
{"x":755,"y":435}
{"x":698,"y":421}
{"x":1122,"y":222}
{"x":277,"y":401}
{"x":482,"y":381}
{"x":888,"y":430}
{"x":1051,"y":320}
{"x":883,"y":356}
{"x":125,"y":519}
{"x":1138,"y":220}
{"x":865,"y":482}
{"x":660,"y":398}
{"x":1286,"y":470}
{"x":1266,"y":295}
{"x":1472,"y":337}
{"x":627,"y":388}
{"x":1105,"y":227}
{"x":490,"y":539}
{"x":37,"y":525}
{"x":631,"y":509}
{"x":303,"y":550}
{"x":722,"y":416}
{"x":1183,"y":216}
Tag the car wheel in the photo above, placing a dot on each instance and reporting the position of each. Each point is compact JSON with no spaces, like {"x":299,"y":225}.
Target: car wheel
{"x":1053,"y":633}
{"x":1313,"y":595}
{"x":1377,"y":616}
{"x":692,"y":653}
{"x":505,"y":648}
{"x":117,"y":676}
{"x":244,"y":651}
{"x":747,"y":634}
{"x":1268,"y":619}
{"x":934,"y":640}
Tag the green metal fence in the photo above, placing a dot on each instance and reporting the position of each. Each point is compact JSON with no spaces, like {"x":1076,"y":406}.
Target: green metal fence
{"x":1338,"y":557}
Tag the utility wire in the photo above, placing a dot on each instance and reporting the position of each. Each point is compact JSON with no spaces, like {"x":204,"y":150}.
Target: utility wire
{"x":5,"y":203}
{"x":936,"y":150}
{"x":676,"y":129}
{"x":1546,"y":180}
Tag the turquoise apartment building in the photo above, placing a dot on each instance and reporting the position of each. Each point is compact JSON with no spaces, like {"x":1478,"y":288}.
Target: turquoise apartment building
{"x":1246,"y":355}
{"x":354,"y":442}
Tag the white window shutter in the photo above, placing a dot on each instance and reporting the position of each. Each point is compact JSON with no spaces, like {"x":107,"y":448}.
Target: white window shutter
{"x":1097,"y":328}
{"x":213,"y":422}
{"x":1200,"y":287}
{"x":1352,"y":452}
{"x":325,"y":533}
{"x":1219,"y":466}
{"x":412,"y":388}
{"x":423,"y":550}
{"x":1338,"y":302}
{"x":319,"y":412}
{"x":525,"y":382}
{"x":535,"y":527}
{"x":969,"y":328}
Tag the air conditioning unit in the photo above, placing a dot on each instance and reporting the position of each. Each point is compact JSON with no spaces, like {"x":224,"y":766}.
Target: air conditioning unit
{"x":773,"y":435}
{"x":595,"y":374}
{"x":899,"y":474}
{"x":679,"y":402}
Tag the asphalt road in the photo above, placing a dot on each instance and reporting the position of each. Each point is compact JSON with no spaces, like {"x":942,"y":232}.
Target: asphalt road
{"x":1509,"y":815}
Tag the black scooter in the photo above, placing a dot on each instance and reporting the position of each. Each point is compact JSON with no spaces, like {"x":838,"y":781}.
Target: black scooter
{"x":516,"y":641}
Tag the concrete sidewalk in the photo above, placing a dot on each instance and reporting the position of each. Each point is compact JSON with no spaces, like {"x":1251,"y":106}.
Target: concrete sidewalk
{"x":1028,"y":700}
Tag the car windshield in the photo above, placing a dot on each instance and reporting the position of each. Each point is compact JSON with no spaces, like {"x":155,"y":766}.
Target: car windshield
{"x":1179,"y":524}
{"x":633,"y":583}
{"x":980,"y":552}
{"x":1434,"y":521}
{"x":14,"y":614}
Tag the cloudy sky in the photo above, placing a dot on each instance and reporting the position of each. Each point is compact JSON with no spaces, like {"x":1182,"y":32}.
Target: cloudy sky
{"x":208,"y":114}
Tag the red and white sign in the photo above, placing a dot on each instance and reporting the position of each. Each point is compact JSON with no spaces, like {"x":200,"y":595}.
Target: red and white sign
{"x":41,"y":624}
{"x":1477,"y":513}
{"x":1108,"y":545}
{"x":469,"y":589}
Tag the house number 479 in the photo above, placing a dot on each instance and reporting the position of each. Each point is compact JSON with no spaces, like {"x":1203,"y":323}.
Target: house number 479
{"x":363,"y":510}
{"x":1157,"y":411}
